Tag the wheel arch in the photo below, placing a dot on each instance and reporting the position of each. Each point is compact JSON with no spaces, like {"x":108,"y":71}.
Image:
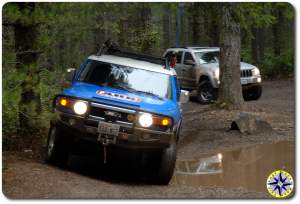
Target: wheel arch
{"x":209,"y":78}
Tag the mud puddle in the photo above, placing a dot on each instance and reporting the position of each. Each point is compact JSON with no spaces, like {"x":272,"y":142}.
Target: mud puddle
{"x":246,"y":167}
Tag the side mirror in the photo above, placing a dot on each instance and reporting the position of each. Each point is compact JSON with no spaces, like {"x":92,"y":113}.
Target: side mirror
{"x":69,"y":76}
{"x":189,"y":62}
{"x":184,"y":96}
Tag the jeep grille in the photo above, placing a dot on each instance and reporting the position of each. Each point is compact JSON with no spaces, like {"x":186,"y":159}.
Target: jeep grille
{"x":246,"y":73}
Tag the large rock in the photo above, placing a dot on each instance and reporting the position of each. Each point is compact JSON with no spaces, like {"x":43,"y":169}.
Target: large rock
{"x":248,"y":123}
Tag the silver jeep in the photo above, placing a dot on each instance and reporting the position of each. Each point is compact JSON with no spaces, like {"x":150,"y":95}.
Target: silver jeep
{"x":197,"y":68}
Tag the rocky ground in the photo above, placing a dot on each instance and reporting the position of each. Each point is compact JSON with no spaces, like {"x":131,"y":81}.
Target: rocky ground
{"x":205,"y":131}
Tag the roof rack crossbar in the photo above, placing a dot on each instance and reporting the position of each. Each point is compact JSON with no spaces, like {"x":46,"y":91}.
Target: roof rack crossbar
{"x":112,"y":48}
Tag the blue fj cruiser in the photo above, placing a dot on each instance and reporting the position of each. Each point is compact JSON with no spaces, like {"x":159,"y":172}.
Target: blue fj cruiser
{"x":120,"y":99}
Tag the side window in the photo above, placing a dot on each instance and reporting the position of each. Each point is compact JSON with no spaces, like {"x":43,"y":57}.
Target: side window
{"x":178,"y":57}
{"x":188,"y":58}
{"x":168,"y":54}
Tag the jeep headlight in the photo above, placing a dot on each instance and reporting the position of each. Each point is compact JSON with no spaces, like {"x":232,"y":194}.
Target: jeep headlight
{"x":255,"y":71}
{"x":145,"y":119}
{"x":216,"y":73}
{"x":80,"y":107}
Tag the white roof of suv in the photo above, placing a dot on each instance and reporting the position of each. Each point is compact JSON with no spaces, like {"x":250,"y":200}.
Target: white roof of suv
{"x":196,"y":49}
{"x":133,"y":63}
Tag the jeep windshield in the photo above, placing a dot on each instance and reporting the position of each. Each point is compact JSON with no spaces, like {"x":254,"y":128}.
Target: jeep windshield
{"x":208,"y":57}
{"x":131,"y":79}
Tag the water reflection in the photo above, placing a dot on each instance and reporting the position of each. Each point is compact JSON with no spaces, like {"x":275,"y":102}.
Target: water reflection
{"x":208,"y":165}
{"x":246,"y":167}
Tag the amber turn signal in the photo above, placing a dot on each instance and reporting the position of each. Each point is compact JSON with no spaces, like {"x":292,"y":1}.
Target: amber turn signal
{"x":165,"y":122}
{"x":162,"y":121}
{"x":63,"y":102}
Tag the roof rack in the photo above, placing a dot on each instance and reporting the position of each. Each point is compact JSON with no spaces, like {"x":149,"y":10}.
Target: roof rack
{"x":184,"y":47}
{"x":195,"y":47}
{"x":200,"y":47}
{"x":111,"y":48}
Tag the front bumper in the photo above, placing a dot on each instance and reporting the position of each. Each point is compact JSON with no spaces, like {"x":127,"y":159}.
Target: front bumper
{"x":246,"y":82}
{"x":129,"y":136}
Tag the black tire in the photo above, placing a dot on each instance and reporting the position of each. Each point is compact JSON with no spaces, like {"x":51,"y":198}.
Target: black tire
{"x":206,"y":92}
{"x":166,"y":165}
{"x":58,"y":147}
{"x":179,"y":135}
{"x":253,"y":93}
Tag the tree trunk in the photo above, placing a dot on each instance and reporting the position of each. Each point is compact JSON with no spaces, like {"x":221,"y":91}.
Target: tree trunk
{"x":230,"y":91}
{"x":257,"y":45}
{"x":144,"y":17}
{"x":26,"y":56}
{"x":261,"y":43}
{"x":196,"y":23}
{"x":214,"y":28}
{"x":254,"y":45}
{"x":166,"y":29}
{"x":276,"y":29}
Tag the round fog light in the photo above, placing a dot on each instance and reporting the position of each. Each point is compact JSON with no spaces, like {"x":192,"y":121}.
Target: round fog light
{"x":145,"y":120}
{"x":80,"y":107}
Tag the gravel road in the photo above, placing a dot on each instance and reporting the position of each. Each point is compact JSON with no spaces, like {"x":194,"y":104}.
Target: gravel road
{"x":206,"y":139}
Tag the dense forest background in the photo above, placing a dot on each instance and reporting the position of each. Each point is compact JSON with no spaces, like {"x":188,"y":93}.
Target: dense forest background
{"x":41,"y":40}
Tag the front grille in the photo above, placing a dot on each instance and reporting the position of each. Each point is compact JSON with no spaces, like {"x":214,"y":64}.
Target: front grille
{"x":118,"y":114}
{"x":246,"y":73}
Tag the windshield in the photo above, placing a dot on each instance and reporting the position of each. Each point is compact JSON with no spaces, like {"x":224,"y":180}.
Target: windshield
{"x":208,"y":57}
{"x":127,"y":78}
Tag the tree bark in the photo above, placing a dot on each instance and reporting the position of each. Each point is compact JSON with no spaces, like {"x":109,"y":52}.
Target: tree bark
{"x":25,"y":39}
{"x":214,"y":26}
{"x":166,"y":28}
{"x":230,"y":91}
{"x":144,"y":17}
{"x":261,"y":43}
{"x":276,"y":29}
{"x":254,"y":45}
{"x":196,"y":9}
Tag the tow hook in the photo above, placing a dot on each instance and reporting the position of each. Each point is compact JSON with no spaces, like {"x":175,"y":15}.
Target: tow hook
{"x":106,"y":140}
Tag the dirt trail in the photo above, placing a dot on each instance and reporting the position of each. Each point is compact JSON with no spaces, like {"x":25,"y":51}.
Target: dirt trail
{"x":205,"y":133}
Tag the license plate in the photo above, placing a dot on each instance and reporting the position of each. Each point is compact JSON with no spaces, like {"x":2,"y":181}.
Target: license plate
{"x":108,"y":128}
{"x":244,"y":81}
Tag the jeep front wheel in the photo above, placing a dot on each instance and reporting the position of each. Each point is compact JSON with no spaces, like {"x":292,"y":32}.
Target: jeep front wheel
{"x":57,"y":147}
{"x":253,"y":93}
{"x":206,"y":93}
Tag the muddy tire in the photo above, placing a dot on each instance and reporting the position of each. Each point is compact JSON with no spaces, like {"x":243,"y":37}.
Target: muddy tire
{"x":166,"y":165}
{"x":206,"y":92}
{"x":254,"y":93}
{"x":179,"y":135}
{"x":58,"y":147}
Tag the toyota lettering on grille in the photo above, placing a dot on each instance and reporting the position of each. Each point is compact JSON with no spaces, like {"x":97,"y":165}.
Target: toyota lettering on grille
{"x":112,"y":114}
{"x":119,"y":96}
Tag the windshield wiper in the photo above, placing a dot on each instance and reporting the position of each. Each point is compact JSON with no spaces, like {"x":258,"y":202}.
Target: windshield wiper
{"x":149,"y":93}
{"x":122,"y":87}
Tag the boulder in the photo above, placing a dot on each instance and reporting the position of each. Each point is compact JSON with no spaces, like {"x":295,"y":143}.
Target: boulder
{"x":248,"y":123}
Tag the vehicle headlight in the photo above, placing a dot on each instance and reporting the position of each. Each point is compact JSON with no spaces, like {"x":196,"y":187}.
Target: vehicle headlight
{"x":80,"y":107}
{"x":255,"y":71}
{"x":145,"y":119}
{"x":216,"y":73}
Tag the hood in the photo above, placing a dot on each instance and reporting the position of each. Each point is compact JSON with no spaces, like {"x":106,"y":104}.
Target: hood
{"x":120,"y":97}
{"x":215,"y":66}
